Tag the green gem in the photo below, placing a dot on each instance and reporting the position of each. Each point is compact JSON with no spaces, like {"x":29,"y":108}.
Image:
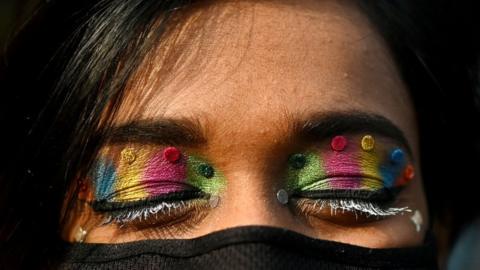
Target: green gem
{"x":206,"y":170}
{"x":297,"y":161}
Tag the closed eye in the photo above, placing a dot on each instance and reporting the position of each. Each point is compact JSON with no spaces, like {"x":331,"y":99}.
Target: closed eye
{"x":348,"y":206}
{"x":109,"y":206}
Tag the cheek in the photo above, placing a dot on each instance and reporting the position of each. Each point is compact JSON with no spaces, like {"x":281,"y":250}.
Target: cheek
{"x":396,"y":232}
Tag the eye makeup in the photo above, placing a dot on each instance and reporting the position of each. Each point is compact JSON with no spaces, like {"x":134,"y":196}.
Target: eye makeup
{"x":135,"y":182}
{"x":358,"y":173}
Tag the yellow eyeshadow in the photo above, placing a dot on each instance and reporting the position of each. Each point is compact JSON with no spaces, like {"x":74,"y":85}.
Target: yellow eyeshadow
{"x":130,"y":174}
{"x":369,"y":166}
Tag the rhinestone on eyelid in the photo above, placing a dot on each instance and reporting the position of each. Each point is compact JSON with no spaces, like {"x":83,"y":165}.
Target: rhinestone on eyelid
{"x":368,"y":142}
{"x":397,"y":156}
{"x":128,"y":155}
{"x":172,"y":154}
{"x":409,"y":172}
{"x":282,"y":196}
{"x":206,"y":170}
{"x":338,"y":143}
{"x":297,"y":161}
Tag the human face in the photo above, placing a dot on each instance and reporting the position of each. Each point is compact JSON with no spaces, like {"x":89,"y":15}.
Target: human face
{"x":247,"y":77}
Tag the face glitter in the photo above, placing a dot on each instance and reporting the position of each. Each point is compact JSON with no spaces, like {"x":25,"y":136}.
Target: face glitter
{"x":80,"y":235}
{"x":417,"y":220}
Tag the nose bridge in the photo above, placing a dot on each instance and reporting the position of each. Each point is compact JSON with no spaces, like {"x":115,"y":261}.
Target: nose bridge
{"x":250,"y":200}
{"x":251,"y":155}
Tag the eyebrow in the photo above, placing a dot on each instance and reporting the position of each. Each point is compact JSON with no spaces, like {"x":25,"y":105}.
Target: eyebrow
{"x":319,"y":126}
{"x":325,"y":125}
{"x":159,"y":131}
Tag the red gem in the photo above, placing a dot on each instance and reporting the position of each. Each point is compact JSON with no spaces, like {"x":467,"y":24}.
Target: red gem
{"x":408,"y":175}
{"x":409,"y":172}
{"x":171,"y":154}
{"x":339,"y":143}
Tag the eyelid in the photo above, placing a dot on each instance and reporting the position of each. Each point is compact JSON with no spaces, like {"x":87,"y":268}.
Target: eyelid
{"x":161,"y":215}
{"x":143,"y":172}
{"x":151,"y":184}
{"x":343,"y":181}
{"x":108,"y":206}
{"x":380,"y":196}
{"x":346,"y":162}
{"x":355,"y":122}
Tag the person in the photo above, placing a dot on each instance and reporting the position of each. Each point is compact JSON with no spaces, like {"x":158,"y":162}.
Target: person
{"x":237,"y":134}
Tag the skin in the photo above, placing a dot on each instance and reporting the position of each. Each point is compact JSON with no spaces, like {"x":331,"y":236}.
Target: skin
{"x":259,"y":68}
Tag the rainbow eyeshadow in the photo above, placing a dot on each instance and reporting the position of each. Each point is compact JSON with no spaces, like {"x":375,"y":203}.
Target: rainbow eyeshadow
{"x":362,"y":165}
{"x":129,"y":174}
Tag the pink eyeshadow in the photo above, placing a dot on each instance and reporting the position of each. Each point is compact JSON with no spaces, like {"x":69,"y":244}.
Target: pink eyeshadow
{"x":162,"y":176}
{"x":344,"y":167}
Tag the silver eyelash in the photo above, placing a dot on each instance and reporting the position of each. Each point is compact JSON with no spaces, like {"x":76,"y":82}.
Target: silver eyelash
{"x":143,"y":214}
{"x":367,"y":208}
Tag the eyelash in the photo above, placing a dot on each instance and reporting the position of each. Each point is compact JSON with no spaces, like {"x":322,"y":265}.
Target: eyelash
{"x":160,"y":212}
{"x":358,"y":207}
{"x":163,"y":220}
{"x":163,"y":210}
{"x":369,"y":205}
{"x":153,"y":213}
{"x":151,"y":210}
{"x":176,"y":209}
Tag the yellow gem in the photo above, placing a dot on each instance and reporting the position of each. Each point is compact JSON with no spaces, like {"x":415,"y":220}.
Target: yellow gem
{"x":368,"y":142}
{"x":128,"y":155}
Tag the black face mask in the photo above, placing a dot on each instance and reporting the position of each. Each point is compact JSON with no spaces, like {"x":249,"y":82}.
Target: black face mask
{"x":252,"y":247}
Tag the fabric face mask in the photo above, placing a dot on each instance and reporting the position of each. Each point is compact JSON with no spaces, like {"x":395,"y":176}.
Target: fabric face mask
{"x":251,"y":247}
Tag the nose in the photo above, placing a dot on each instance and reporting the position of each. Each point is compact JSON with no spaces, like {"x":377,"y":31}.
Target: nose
{"x":250,"y":199}
{"x":253,"y":163}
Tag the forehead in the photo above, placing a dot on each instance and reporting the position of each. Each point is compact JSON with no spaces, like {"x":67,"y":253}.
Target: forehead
{"x":244,"y":64}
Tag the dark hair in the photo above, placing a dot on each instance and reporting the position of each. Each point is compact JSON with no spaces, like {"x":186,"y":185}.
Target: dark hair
{"x":73,"y":60}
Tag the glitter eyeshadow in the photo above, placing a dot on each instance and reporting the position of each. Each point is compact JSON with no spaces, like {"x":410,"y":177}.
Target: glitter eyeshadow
{"x":128,"y":174}
{"x":371,"y":164}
